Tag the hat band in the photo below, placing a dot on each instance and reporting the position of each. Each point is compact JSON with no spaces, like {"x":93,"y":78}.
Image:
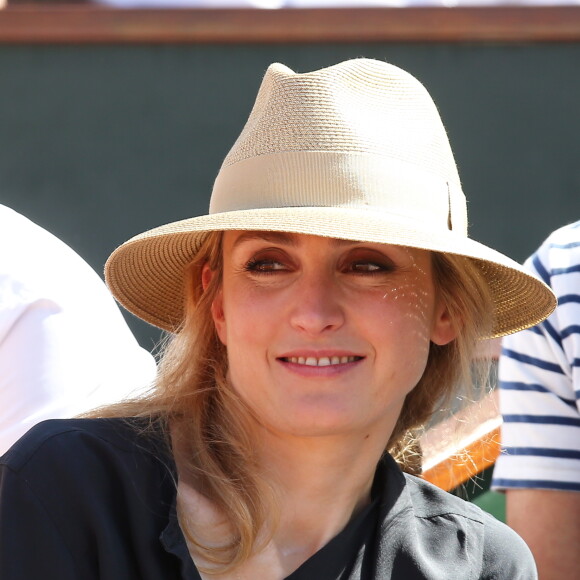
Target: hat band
{"x":331,"y":179}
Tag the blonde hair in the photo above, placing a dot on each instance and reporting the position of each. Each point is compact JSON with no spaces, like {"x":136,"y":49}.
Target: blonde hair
{"x":193,"y":396}
{"x":452,"y":370}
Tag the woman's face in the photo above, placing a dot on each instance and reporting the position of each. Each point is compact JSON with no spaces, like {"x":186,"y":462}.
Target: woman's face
{"x":325,"y":336}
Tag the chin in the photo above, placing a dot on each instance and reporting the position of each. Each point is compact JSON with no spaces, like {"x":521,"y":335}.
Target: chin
{"x":321,"y":424}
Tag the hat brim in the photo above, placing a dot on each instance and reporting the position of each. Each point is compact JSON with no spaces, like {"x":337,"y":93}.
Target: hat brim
{"x":146,"y":273}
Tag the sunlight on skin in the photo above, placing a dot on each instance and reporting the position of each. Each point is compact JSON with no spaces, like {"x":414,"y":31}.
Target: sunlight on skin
{"x":412,"y":291}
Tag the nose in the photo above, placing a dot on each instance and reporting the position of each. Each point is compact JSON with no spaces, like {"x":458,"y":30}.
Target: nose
{"x":317,"y":305}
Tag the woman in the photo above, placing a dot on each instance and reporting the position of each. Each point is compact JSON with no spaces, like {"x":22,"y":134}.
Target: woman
{"x":323,"y":312}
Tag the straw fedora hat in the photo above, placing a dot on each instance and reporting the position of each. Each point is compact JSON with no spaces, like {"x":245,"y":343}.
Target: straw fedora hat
{"x":354,"y":151}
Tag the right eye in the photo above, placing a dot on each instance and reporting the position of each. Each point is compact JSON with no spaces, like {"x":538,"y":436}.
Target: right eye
{"x":266,"y":266}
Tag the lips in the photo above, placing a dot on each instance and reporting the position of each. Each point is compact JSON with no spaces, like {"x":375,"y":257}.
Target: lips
{"x":323,"y":361}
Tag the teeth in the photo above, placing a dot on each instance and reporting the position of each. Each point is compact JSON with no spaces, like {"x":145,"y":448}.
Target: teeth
{"x":323,"y":361}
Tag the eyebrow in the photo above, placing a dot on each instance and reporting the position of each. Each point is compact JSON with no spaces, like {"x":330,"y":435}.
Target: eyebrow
{"x":273,"y":237}
{"x":285,"y":238}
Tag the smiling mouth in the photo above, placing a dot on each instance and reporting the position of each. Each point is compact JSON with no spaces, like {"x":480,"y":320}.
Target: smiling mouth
{"x":323,"y":361}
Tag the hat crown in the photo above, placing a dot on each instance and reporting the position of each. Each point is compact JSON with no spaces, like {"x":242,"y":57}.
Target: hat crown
{"x":359,"y":106}
{"x":360,"y":134}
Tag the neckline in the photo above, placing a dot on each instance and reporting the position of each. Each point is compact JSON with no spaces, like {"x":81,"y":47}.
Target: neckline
{"x":323,"y":564}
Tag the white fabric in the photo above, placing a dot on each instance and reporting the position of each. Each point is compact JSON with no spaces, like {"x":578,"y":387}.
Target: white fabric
{"x":540,"y":380}
{"x":64,"y":345}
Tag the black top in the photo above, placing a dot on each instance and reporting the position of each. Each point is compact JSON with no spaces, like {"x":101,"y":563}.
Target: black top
{"x":90,"y":499}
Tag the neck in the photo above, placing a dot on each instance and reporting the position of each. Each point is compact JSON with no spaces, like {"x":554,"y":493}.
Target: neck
{"x":321,"y":483}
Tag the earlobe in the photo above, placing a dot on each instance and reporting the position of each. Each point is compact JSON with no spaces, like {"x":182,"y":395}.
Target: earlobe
{"x":444,"y":330}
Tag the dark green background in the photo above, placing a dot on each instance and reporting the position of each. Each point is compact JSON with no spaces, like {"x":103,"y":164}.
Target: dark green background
{"x":98,"y":143}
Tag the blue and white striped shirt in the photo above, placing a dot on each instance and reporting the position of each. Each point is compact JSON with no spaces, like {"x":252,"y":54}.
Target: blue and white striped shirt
{"x":539,"y":374}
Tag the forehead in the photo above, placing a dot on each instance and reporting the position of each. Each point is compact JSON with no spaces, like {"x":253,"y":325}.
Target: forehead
{"x":236,"y":238}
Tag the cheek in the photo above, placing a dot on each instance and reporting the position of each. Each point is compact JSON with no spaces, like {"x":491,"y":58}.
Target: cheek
{"x":410,"y":307}
{"x":247,"y":328}
{"x":247,"y":353}
{"x":402,"y":325}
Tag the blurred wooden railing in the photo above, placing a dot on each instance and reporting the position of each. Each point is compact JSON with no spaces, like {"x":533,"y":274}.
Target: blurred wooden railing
{"x":463,"y":446}
{"x":86,"y":23}
{"x":467,"y":443}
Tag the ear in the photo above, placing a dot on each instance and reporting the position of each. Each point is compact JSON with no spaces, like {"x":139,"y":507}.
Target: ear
{"x":444,"y":330}
{"x":217,"y":306}
{"x":206,"y":276}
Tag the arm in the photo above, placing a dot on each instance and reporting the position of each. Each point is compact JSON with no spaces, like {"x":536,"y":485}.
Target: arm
{"x":549,"y":522}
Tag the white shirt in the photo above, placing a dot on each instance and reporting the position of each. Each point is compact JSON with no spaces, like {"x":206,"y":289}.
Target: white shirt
{"x":539,"y":374}
{"x":65,"y":347}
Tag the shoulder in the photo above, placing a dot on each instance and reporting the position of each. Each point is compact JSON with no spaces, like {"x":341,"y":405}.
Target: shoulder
{"x":32,"y":248}
{"x":429,"y":501}
{"x":568,"y":235}
{"x":82,"y":441}
{"x":40,"y":266}
{"x":559,"y":254}
{"x":425,"y":528}
{"x":448,"y":519}
{"x":88,"y":466}
{"x":91,"y":494}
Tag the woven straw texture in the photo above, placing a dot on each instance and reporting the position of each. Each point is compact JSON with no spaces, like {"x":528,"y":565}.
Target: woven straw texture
{"x":352,"y":107}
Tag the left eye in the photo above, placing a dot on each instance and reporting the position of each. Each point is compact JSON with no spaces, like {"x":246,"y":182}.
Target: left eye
{"x":367,"y":267}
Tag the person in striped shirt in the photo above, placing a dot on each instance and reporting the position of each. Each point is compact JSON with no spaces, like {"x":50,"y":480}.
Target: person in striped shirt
{"x":539,"y":377}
